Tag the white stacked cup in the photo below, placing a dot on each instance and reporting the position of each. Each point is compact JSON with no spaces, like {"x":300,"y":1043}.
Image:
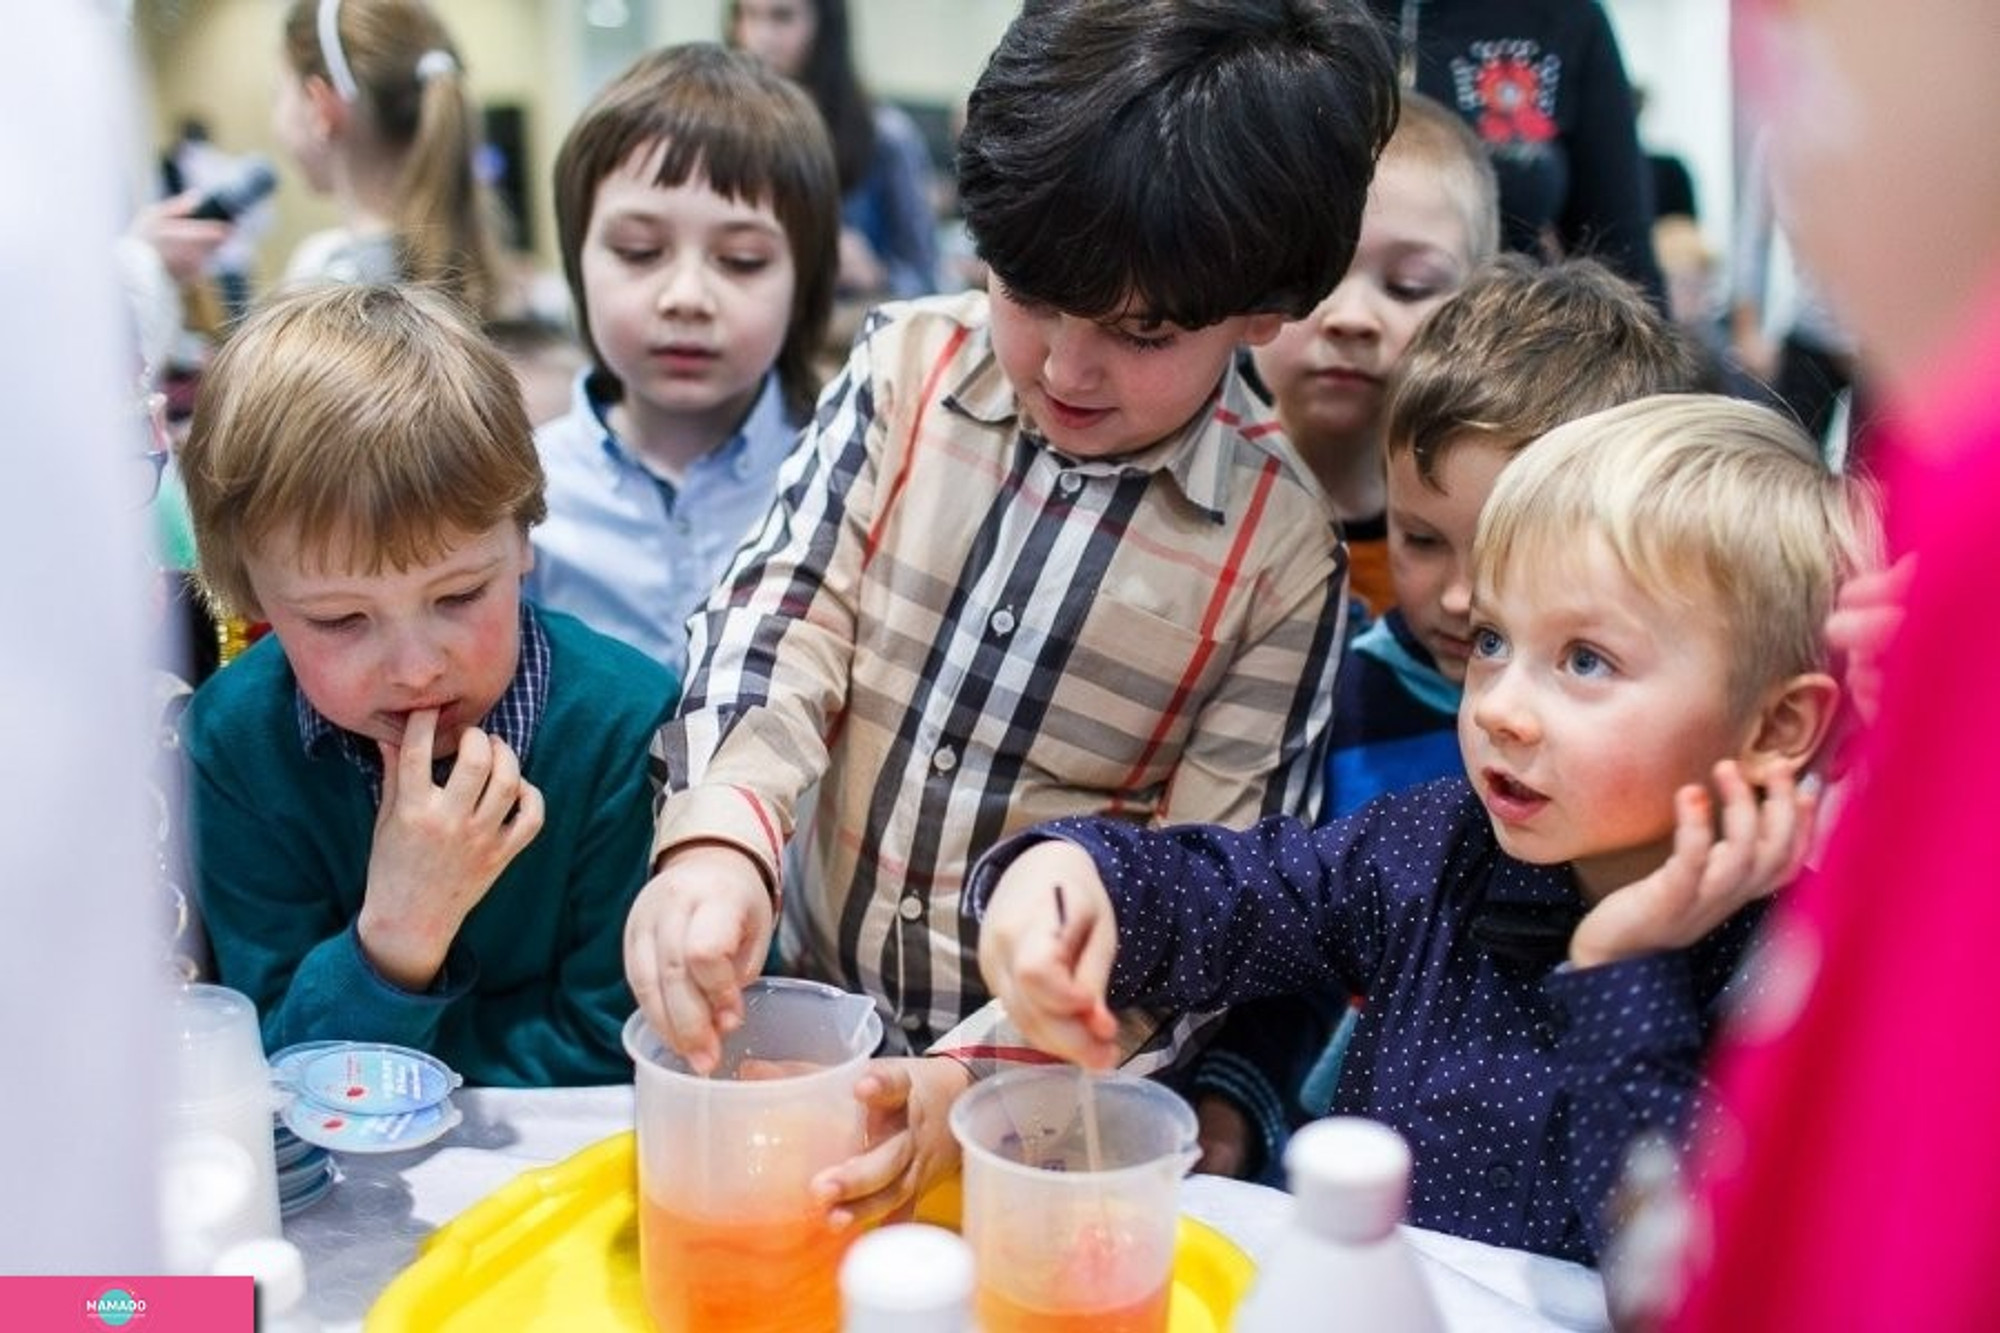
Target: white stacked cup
{"x":211,"y":1198}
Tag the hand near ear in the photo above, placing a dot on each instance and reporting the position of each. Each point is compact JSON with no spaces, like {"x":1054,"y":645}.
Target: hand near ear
{"x":1710,"y":875}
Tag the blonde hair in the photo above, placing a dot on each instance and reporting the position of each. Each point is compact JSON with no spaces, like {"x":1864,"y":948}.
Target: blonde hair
{"x":367,"y":424}
{"x":1430,"y":134}
{"x":1710,"y":504}
{"x":408,"y":84}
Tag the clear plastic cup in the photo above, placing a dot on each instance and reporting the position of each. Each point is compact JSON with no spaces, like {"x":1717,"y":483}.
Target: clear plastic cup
{"x":222,"y":1087}
{"x":1071,"y":1198}
{"x":727,"y":1222}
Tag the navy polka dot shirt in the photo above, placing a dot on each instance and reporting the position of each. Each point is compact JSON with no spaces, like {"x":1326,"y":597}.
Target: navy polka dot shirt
{"x":1518,"y":1081}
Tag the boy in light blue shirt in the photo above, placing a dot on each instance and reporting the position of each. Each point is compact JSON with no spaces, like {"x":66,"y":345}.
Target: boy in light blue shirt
{"x":699,"y":214}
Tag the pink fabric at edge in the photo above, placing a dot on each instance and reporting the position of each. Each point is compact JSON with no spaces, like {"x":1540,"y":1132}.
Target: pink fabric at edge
{"x":1857,"y":1181}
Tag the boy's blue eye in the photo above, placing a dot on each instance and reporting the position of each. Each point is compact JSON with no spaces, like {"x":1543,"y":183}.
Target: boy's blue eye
{"x":1487,"y":643}
{"x":1587,"y":661}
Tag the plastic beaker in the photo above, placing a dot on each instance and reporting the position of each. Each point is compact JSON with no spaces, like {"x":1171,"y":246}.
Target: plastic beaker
{"x":222,"y":1086}
{"x":1071,"y":1198}
{"x":729,"y":1234}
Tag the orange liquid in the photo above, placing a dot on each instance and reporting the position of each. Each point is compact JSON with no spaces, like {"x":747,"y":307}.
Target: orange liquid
{"x":772,"y":1276}
{"x":1148,"y":1314}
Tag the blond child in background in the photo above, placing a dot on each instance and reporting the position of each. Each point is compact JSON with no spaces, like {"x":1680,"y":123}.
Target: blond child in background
{"x":420,"y":807}
{"x":374,"y":110}
{"x":1546,"y":939}
{"x":1432,"y":217}
{"x":698,"y":213}
{"x":1519,"y":350}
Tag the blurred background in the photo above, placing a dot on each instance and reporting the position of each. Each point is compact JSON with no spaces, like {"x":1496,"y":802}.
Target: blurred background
{"x":533,"y":63}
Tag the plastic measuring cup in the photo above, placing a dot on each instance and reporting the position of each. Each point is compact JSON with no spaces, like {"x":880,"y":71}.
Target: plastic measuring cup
{"x":1072,"y":1225}
{"x":221,"y":1087}
{"x":729,"y":1235}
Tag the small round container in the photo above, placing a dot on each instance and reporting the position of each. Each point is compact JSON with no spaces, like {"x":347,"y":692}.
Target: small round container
{"x":362,"y":1097}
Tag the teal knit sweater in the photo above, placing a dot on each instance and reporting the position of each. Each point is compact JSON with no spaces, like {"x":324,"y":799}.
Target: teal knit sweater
{"x":533,"y":991}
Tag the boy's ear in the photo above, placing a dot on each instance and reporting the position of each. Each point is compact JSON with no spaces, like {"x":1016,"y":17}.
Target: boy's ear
{"x":1791,"y":725}
{"x":1260,"y":329}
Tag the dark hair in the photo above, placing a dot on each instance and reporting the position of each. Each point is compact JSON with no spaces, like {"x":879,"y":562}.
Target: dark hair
{"x":834,"y":85}
{"x":1523,"y":348}
{"x":754,"y":136}
{"x":1184,"y":160}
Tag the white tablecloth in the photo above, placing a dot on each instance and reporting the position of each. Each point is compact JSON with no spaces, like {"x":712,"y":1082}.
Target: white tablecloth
{"x":366,"y":1230}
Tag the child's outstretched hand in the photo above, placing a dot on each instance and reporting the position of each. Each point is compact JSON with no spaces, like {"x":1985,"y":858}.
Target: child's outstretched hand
{"x":437,"y":850}
{"x":696,"y":933}
{"x":1046,"y":942}
{"x":910,"y":1144}
{"x":1706,"y":879}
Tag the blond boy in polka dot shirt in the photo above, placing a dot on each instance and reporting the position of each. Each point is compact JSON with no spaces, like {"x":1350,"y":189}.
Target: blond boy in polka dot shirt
{"x":1548,"y":941}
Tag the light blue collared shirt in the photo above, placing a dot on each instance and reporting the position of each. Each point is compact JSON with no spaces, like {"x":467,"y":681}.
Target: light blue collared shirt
{"x":627,"y":552}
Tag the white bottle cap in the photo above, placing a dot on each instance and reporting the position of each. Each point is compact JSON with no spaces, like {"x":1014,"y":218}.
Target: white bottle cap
{"x":276,"y":1266}
{"x":907,"y":1275}
{"x":1350,"y":1177}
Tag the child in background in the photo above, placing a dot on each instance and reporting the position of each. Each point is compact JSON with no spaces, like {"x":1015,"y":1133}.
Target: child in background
{"x":1040,"y":551}
{"x":374,"y":111}
{"x":1522,"y":349}
{"x":697,"y":212}
{"x":1432,"y":218}
{"x":888,"y":235}
{"x":376,"y":857}
{"x":1544,"y":940}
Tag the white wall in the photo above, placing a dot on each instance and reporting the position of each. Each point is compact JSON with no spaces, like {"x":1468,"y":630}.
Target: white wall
{"x":922,"y":50}
{"x":1678,"y":51}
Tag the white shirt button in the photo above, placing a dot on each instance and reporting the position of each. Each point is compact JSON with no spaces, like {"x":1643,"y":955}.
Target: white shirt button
{"x":945,"y":760}
{"x":911,"y":907}
{"x":1070,"y":482}
{"x":910,"y":1022}
{"x":1002,"y":621}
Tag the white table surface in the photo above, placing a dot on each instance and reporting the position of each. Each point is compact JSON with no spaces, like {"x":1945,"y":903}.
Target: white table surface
{"x":367,"y":1229}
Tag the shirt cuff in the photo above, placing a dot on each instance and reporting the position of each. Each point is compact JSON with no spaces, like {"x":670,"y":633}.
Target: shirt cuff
{"x":337,"y":994}
{"x":986,"y":871}
{"x":735,"y":816}
{"x":1635,"y":1004}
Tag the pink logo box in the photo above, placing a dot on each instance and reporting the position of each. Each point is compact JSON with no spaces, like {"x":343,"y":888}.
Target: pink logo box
{"x":142,"y":1304}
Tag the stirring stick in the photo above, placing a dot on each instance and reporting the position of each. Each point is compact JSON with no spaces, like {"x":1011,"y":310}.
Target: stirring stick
{"x":1093,"y":1148}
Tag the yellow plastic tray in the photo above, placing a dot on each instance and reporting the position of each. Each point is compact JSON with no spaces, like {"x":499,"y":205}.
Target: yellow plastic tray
{"x":558,"y":1248}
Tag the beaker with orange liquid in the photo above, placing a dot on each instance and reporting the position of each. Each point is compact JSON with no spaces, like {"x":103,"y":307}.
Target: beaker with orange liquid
{"x":1072,"y":1184}
{"x":730,"y":1240}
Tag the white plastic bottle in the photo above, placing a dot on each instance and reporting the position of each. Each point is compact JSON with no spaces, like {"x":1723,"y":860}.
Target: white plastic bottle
{"x":907,"y":1278}
{"x":1341,"y":1263}
{"x":280,"y":1273}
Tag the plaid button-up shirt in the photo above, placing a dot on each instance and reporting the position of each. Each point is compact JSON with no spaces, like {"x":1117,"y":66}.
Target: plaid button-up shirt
{"x":956,"y":632}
